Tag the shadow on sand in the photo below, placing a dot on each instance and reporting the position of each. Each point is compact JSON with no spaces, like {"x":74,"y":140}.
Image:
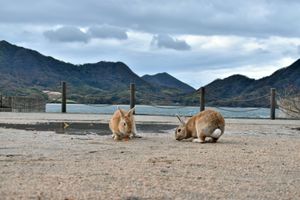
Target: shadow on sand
{"x":85,"y":128}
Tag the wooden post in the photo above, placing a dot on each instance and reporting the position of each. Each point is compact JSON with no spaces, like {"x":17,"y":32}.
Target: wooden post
{"x":64,"y":98}
{"x":272,"y":103}
{"x":132,"y":95}
{"x":202,"y":99}
{"x":1,"y":100}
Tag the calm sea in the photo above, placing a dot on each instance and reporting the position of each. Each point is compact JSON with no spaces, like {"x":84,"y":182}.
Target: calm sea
{"x":164,"y":110}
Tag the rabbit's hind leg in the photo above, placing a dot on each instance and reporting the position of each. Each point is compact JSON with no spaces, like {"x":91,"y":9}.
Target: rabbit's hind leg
{"x":201,"y":137}
{"x":212,"y":140}
{"x":200,"y":134}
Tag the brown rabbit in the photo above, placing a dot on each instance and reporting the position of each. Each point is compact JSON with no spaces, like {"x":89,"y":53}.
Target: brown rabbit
{"x":207,"y":123}
{"x":122,"y":124}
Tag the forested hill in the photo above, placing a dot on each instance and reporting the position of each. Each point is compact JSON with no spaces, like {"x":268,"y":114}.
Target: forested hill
{"x":238,"y":90}
{"x":27,"y":72}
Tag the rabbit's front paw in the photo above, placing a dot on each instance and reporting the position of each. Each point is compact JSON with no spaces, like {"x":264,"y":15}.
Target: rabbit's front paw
{"x":198,"y":140}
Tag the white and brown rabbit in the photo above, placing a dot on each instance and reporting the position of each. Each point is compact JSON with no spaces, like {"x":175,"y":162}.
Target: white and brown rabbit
{"x":208,"y":123}
{"x":122,"y":124}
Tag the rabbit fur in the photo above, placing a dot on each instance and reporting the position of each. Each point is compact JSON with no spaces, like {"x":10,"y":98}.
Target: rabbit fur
{"x":208,"y":123}
{"x":122,"y":124}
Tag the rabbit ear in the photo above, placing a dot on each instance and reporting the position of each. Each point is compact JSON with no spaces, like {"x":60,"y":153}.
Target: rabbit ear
{"x":122,"y":112}
{"x":130,"y":112}
{"x":181,"y":121}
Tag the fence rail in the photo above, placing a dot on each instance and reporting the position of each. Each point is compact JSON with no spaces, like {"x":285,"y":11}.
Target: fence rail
{"x":22,"y":104}
{"x":133,"y":93}
{"x":26,"y":105}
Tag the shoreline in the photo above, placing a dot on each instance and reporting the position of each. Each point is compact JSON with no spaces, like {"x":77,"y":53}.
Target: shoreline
{"x":23,"y":118}
{"x":254,"y":159}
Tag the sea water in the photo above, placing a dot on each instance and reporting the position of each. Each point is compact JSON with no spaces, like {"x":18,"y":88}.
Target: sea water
{"x":227,"y":112}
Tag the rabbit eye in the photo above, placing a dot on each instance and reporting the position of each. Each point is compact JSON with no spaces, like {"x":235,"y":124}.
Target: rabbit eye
{"x":179,"y":130}
{"x":124,"y":124}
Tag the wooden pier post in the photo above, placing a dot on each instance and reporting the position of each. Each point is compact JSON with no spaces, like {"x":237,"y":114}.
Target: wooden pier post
{"x":132,"y":96}
{"x":1,"y":104}
{"x":272,"y":103}
{"x":64,"y":97}
{"x":202,"y":99}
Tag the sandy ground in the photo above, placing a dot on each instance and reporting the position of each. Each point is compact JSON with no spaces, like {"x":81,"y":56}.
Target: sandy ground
{"x":254,"y":159}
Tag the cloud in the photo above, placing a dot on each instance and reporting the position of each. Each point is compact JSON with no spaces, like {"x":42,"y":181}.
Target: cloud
{"x":256,"y":18}
{"x":67,"y":34}
{"x":74,"y":34}
{"x":166,"y":41}
{"x":107,"y":31}
{"x":215,"y":36}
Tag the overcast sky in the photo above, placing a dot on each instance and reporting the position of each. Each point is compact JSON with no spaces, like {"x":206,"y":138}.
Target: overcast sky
{"x":196,"y":41}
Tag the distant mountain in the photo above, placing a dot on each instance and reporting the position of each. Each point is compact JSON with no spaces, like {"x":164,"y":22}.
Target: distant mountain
{"x":27,"y":72}
{"x":165,"y":80}
{"x":238,"y":90}
{"x":229,"y":87}
{"x":280,"y":79}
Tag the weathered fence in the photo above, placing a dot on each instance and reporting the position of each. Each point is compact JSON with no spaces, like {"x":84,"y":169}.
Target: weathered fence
{"x":22,"y":104}
{"x":5,"y":104}
{"x":64,"y":97}
{"x":202,"y":98}
{"x":289,"y":102}
{"x":132,"y":98}
{"x":35,"y":104}
{"x":272,"y":103}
